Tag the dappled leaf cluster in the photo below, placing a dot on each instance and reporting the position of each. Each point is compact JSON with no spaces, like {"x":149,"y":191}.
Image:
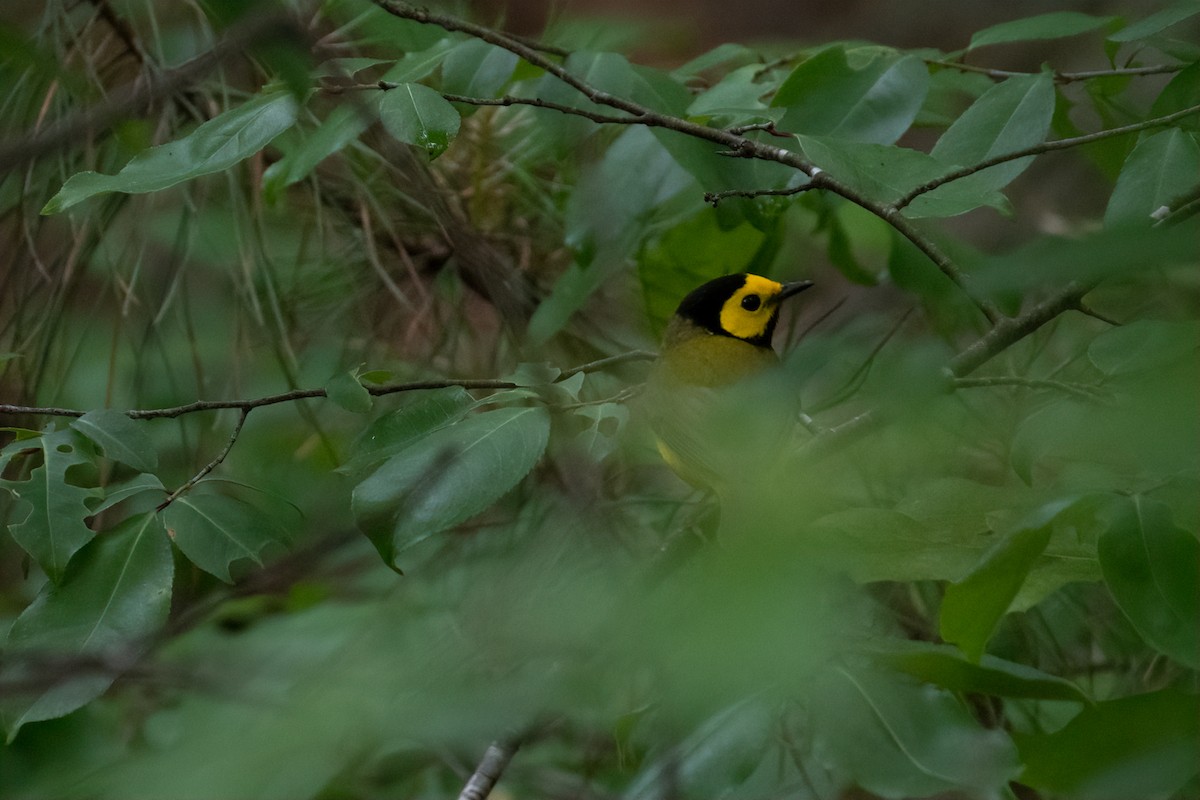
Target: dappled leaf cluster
{"x":326,"y":459}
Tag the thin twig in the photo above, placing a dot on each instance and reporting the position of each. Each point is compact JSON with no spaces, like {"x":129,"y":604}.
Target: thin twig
{"x":1044,"y":147}
{"x":714,"y":198}
{"x":609,"y":361}
{"x":269,"y":400}
{"x":210,"y":466}
{"x":305,"y":394}
{"x":1060,"y":77}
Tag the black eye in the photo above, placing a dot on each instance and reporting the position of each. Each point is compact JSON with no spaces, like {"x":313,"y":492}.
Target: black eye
{"x":751,"y":302}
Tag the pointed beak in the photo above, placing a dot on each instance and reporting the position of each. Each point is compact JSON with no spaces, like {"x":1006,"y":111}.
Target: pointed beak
{"x":796,"y":287}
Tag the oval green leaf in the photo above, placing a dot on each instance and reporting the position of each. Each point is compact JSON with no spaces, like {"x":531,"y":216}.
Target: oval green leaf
{"x":216,"y":145}
{"x":1160,"y":168}
{"x":1149,"y":565}
{"x":417,"y":115}
{"x":826,"y":96}
{"x":1055,"y":25}
{"x":448,"y":476}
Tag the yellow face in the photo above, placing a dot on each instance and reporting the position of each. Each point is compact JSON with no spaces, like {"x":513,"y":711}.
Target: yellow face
{"x":748,"y":313}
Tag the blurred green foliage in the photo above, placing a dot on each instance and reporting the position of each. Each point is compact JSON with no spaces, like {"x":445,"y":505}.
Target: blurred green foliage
{"x":376,"y":301}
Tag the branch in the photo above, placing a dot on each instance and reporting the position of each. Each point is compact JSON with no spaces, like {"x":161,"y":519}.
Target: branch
{"x":1038,"y":149}
{"x":491,"y":767}
{"x":736,"y":145}
{"x":246,"y":406}
{"x":1059,"y":77}
{"x":1009,"y":331}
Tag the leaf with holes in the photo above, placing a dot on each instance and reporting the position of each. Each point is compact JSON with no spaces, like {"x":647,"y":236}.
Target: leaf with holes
{"x":418,"y":115}
{"x":52,"y":529}
{"x":119,"y":437}
{"x":115,"y":594}
{"x":449,"y":476}
{"x":215,"y":530}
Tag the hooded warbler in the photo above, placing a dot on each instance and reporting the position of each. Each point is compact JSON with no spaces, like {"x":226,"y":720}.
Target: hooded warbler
{"x":719,"y":414}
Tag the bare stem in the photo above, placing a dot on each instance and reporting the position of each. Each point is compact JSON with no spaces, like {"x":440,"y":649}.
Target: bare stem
{"x":1061,"y":77}
{"x":1038,"y":149}
{"x":210,"y":466}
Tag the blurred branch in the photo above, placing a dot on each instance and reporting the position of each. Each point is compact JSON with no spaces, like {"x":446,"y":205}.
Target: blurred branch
{"x":1187,"y":205}
{"x":136,"y":97}
{"x":736,"y":145}
{"x":1077,"y":389}
{"x":1013,"y":329}
{"x":1059,"y":77}
{"x":1038,"y":149}
{"x":491,"y":767}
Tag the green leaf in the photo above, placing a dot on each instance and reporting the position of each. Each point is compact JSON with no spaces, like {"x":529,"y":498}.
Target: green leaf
{"x":1010,"y":116}
{"x":1144,"y":344}
{"x":119,"y":437}
{"x":214,"y":531}
{"x":1139,"y":746}
{"x":448,"y":476}
{"x":1160,"y":168}
{"x":477,"y":69}
{"x":343,"y":125}
{"x":346,"y":390}
{"x":421,"y":64}
{"x":216,"y":145}
{"x":898,"y":738}
{"x":1148,"y":26}
{"x":886,"y":173}
{"x":1055,"y":25}
{"x":1182,"y":92}
{"x":736,"y":93}
{"x":52,"y":530}
{"x":875,"y":103}
{"x":1150,"y":566}
{"x":399,"y":429}
{"x":945,"y":666}
{"x":138,"y":484}
{"x":419,"y":116}
{"x":973,"y":606}
{"x":116,"y":593}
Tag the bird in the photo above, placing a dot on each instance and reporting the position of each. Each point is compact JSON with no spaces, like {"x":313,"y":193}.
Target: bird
{"x":719,"y":412}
